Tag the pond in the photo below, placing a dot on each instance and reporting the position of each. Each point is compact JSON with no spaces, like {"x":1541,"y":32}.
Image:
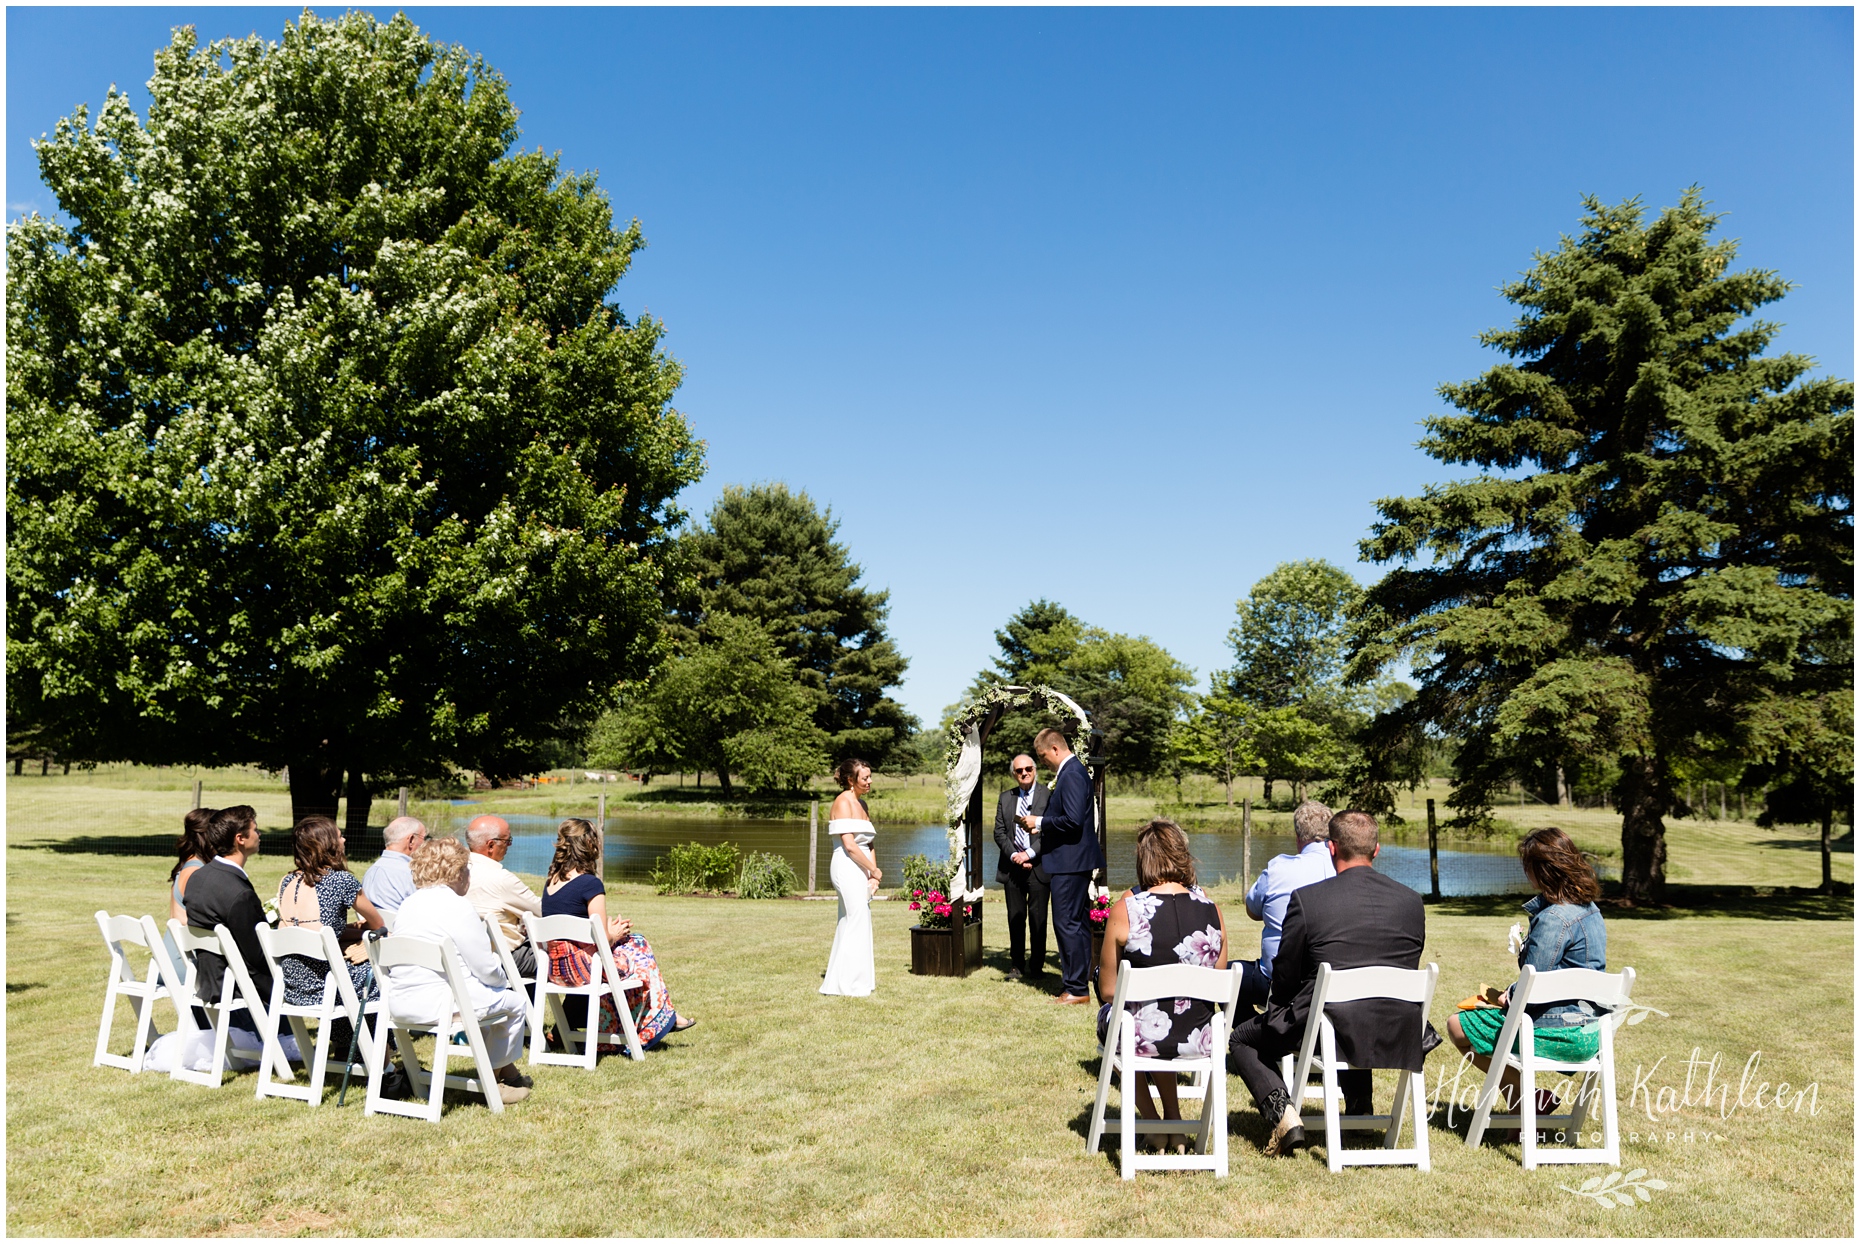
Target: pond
{"x":635,"y":843}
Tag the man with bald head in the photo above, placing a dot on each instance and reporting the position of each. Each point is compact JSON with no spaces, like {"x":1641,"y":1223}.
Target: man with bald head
{"x":389,"y":880}
{"x":498,"y":893}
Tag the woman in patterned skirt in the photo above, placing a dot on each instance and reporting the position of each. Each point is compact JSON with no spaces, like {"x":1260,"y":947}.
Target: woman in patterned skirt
{"x":1165,"y":919}
{"x":574,"y":888}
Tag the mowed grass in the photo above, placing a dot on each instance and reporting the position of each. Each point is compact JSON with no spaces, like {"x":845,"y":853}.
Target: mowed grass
{"x":938,"y":1106}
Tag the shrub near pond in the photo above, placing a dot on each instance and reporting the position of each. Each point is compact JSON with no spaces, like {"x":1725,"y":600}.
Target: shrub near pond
{"x":766,"y":876}
{"x":692,"y":867}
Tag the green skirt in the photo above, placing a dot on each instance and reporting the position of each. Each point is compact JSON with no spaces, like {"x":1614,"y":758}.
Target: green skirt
{"x":1577,"y":1043}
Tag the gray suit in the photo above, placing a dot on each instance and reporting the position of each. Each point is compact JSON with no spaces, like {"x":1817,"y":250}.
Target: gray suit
{"x":1026,"y":887}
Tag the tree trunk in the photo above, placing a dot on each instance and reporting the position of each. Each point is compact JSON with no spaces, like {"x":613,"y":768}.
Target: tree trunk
{"x":1230,"y":792}
{"x":1562,"y":788}
{"x":316,"y":787}
{"x":723,"y":781}
{"x":1266,"y":792}
{"x":45,"y":765}
{"x":1827,"y":849}
{"x":359,"y":801}
{"x":1644,"y":800}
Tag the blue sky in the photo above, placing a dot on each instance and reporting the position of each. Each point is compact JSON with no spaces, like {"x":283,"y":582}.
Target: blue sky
{"x":1165,"y":291}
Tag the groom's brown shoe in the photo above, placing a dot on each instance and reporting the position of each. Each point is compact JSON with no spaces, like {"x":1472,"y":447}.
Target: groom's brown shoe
{"x":1071,"y":999}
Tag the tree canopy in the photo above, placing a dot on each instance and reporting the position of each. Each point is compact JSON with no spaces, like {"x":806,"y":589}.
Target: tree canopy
{"x":730,"y":702}
{"x":327,"y":447}
{"x":1132,"y":688}
{"x":1656,"y":562}
{"x":768,"y":554}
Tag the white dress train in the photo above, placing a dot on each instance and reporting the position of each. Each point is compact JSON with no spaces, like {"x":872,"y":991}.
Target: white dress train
{"x":850,"y":969}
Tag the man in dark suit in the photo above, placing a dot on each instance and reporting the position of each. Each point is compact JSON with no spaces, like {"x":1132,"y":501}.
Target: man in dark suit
{"x":221,"y":893}
{"x":1069,"y":852}
{"x":1357,"y":919}
{"x":1018,"y":868}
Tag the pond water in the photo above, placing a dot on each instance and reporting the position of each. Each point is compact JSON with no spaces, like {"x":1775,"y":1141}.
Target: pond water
{"x":635,"y":843}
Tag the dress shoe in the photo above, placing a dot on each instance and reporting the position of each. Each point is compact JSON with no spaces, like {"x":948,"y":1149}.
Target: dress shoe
{"x":1013,"y":974}
{"x":1288,"y":1135}
{"x":512,"y":1093}
{"x":1071,"y":999}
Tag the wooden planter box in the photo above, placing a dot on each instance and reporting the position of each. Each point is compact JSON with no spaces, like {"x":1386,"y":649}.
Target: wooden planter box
{"x":946,"y":952}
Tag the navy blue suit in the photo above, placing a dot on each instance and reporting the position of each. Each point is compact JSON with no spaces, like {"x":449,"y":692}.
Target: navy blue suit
{"x":1070,"y":854}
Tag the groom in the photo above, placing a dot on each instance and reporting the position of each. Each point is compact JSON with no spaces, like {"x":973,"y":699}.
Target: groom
{"x":1070,"y":854}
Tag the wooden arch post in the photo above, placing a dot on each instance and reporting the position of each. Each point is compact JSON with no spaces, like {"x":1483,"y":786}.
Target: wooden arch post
{"x":973,"y":852}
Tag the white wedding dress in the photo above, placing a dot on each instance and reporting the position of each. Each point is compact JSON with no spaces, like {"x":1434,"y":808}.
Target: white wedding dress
{"x":850,"y":970}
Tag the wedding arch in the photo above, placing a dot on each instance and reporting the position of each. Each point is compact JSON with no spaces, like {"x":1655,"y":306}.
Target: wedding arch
{"x":969,"y":829}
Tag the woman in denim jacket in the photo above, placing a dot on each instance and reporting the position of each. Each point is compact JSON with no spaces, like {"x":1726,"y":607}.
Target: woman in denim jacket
{"x":1566,"y":932}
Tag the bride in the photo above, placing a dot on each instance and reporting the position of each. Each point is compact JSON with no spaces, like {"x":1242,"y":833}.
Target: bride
{"x":855,"y":875}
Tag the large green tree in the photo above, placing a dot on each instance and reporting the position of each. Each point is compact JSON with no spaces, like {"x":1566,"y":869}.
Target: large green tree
{"x":1657,"y":558}
{"x":769,"y":554}
{"x":327,"y":447}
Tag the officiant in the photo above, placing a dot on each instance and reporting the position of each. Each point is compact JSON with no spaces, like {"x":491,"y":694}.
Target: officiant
{"x":1018,"y":869}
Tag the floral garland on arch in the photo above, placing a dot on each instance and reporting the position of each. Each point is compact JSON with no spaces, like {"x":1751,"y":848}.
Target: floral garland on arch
{"x":962,"y":755}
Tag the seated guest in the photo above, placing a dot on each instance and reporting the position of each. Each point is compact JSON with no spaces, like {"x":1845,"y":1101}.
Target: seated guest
{"x":220,"y":893}
{"x":1357,"y":919}
{"x":389,"y":880}
{"x":191,"y":852}
{"x":1166,"y":919}
{"x":574,"y":888}
{"x":437,"y":911}
{"x":498,"y":893}
{"x":1266,"y":900}
{"x":1566,"y":932}
{"x":319,"y":893}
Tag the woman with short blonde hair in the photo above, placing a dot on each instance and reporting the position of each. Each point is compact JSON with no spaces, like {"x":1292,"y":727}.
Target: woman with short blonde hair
{"x":438,"y":911}
{"x":574,"y":888}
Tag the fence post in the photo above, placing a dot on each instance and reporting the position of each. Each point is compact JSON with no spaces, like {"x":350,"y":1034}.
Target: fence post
{"x":813,"y":843}
{"x":401,"y":809}
{"x":1433,"y":853}
{"x":196,"y":794}
{"x":1246,"y":842}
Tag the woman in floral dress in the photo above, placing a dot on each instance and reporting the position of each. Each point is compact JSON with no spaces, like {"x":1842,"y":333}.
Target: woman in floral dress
{"x":574,"y":888}
{"x":1166,"y":919}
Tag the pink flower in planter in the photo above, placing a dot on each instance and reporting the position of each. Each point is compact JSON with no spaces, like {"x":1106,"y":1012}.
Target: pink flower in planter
{"x":941,"y":909}
{"x":915,"y":906}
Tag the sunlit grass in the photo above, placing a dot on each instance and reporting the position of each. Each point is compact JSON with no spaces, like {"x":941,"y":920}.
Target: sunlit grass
{"x":938,"y":1106}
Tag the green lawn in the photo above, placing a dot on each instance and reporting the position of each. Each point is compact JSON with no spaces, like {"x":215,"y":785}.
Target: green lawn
{"x":935,"y":1107}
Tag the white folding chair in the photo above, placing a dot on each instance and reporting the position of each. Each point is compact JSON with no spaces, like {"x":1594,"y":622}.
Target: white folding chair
{"x":1611,"y":990}
{"x":1177,"y":980}
{"x":1196,"y":1089}
{"x":236,"y":993}
{"x":141,"y":992}
{"x":443,"y":958}
{"x":603,"y":979}
{"x":1318,"y":1051}
{"x":339,"y":998}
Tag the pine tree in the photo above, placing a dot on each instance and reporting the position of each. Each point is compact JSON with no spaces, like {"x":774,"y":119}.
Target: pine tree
{"x":769,"y":554}
{"x":1659,"y":550}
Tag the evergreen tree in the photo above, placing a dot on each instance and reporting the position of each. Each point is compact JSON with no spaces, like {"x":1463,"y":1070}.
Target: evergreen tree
{"x":1659,"y":554}
{"x":326,"y":449}
{"x":768,"y":554}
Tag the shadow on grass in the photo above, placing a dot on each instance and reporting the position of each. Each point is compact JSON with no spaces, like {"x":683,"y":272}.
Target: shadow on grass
{"x":363,"y":844}
{"x":1745,"y":902}
{"x":1844,"y":845}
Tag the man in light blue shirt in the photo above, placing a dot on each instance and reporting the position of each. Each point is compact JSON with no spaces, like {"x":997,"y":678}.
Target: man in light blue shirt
{"x":389,"y":880}
{"x":1267,"y":899}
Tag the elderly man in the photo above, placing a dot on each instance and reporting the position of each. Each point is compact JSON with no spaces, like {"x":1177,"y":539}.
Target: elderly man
{"x":1357,"y":919}
{"x":1267,"y":899}
{"x":1018,"y":867}
{"x":498,"y":893}
{"x":389,"y":880}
